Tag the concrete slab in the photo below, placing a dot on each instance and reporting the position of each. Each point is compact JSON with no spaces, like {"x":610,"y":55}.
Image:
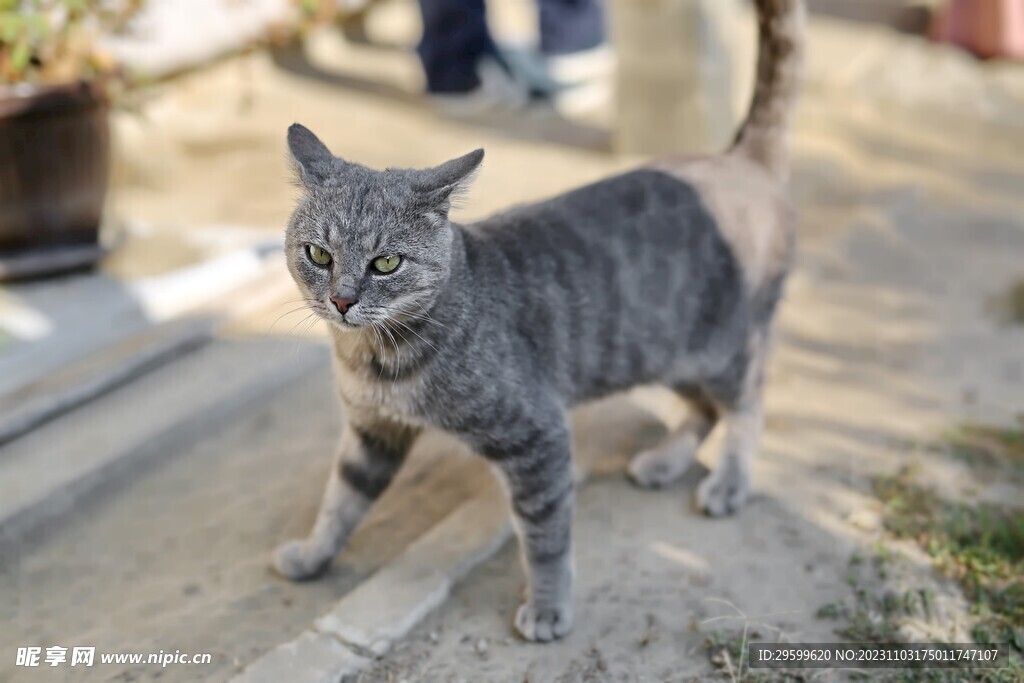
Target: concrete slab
{"x":399,"y":596}
{"x":66,"y":388}
{"x":43,"y":474}
{"x":54,"y":323}
{"x":385,"y":607}
{"x":310,"y":658}
{"x":188,"y":325}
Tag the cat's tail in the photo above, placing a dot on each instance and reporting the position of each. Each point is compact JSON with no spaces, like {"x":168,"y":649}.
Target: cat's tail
{"x":764,"y":136}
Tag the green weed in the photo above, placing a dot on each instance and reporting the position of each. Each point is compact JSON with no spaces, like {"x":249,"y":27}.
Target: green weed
{"x":979,"y":545}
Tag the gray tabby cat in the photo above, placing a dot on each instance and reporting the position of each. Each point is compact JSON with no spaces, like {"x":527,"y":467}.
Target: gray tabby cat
{"x":492,"y":331}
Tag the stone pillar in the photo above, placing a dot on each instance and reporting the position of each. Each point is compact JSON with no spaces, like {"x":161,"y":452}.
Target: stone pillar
{"x":675,"y":90}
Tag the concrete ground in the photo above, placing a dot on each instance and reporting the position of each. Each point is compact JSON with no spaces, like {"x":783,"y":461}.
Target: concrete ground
{"x":911,"y":227}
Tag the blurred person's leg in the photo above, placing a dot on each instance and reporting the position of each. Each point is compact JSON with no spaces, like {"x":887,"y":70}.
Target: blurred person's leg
{"x":468,"y":73}
{"x":455,"y":39}
{"x":572,"y":63}
{"x":568,"y":26}
{"x":573,"y":41}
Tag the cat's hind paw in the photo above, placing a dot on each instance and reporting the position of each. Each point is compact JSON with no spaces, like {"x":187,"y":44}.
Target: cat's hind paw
{"x":666,"y":463}
{"x":723,"y":492}
{"x":293,"y":562}
{"x":542,"y":624}
{"x":656,"y":469}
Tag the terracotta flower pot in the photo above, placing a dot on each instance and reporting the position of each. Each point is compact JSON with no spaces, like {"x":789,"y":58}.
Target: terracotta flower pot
{"x":54,"y":162}
{"x":988,"y":28}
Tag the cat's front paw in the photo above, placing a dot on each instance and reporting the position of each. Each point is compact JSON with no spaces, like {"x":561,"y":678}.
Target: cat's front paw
{"x":723,"y":492}
{"x":292,"y":561}
{"x":543,"y":623}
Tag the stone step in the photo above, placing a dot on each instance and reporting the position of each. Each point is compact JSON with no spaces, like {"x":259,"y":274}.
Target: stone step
{"x":52,"y":324}
{"x":119,"y":354}
{"x":45,"y":473}
{"x":69,"y":387}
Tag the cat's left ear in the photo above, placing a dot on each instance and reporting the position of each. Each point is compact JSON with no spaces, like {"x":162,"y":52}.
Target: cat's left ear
{"x":314,"y":163}
{"x":439,"y":187}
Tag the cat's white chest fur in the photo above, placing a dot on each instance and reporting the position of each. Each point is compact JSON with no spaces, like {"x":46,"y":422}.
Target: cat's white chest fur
{"x":392,"y":400}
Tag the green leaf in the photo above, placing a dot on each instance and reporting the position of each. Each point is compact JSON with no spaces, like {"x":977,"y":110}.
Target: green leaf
{"x":20,"y":56}
{"x":39,"y":24}
{"x":11,"y":27}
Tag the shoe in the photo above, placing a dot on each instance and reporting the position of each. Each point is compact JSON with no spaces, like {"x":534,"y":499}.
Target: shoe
{"x":586,"y":66}
{"x":499,"y":91}
{"x":575,"y":83}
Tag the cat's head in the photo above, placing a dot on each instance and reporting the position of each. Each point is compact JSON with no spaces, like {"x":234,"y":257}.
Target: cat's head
{"x":368,"y":246}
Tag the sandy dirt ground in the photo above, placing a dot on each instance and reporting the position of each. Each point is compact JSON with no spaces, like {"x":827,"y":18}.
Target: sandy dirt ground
{"x":910,"y":230}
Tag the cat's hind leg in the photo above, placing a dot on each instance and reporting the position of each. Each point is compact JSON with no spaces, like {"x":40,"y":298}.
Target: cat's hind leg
{"x":666,"y":462}
{"x":727,"y":487}
{"x":368,"y":460}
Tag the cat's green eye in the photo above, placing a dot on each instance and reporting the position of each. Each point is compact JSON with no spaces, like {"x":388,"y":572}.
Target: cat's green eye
{"x":318,"y":255}
{"x":386,"y":264}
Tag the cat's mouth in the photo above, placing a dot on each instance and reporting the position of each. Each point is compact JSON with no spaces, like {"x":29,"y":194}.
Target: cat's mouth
{"x":347,"y":324}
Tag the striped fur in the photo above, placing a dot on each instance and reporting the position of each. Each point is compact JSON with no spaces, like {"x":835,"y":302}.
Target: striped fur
{"x":671,"y":273}
{"x":764,"y":136}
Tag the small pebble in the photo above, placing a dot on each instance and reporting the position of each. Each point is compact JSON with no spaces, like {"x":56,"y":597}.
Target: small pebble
{"x":865,"y":520}
{"x":481,"y":646}
{"x":435,"y":637}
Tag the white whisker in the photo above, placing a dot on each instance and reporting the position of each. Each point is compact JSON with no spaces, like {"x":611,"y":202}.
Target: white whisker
{"x":306,"y":307}
{"x":425,"y":315}
{"x":417,"y":334}
{"x":398,"y":355}
{"x":380,"y":344}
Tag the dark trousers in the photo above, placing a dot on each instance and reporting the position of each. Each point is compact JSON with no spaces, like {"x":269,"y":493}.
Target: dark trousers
{"x":455,"y":36}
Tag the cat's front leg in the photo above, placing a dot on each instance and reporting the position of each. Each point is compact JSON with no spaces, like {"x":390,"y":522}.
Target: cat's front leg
{"x":536,"y":464}
{"x":368,"y":459}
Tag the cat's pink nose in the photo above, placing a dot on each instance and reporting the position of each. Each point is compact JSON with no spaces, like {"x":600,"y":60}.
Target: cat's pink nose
{"x":343,"y":304}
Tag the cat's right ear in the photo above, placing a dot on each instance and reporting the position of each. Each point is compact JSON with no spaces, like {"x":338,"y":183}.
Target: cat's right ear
{"x":439,"y":187}
{"x":314,"y":163}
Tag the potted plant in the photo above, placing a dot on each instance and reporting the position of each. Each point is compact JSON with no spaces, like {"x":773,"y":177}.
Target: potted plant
{"x":54,"y":132}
